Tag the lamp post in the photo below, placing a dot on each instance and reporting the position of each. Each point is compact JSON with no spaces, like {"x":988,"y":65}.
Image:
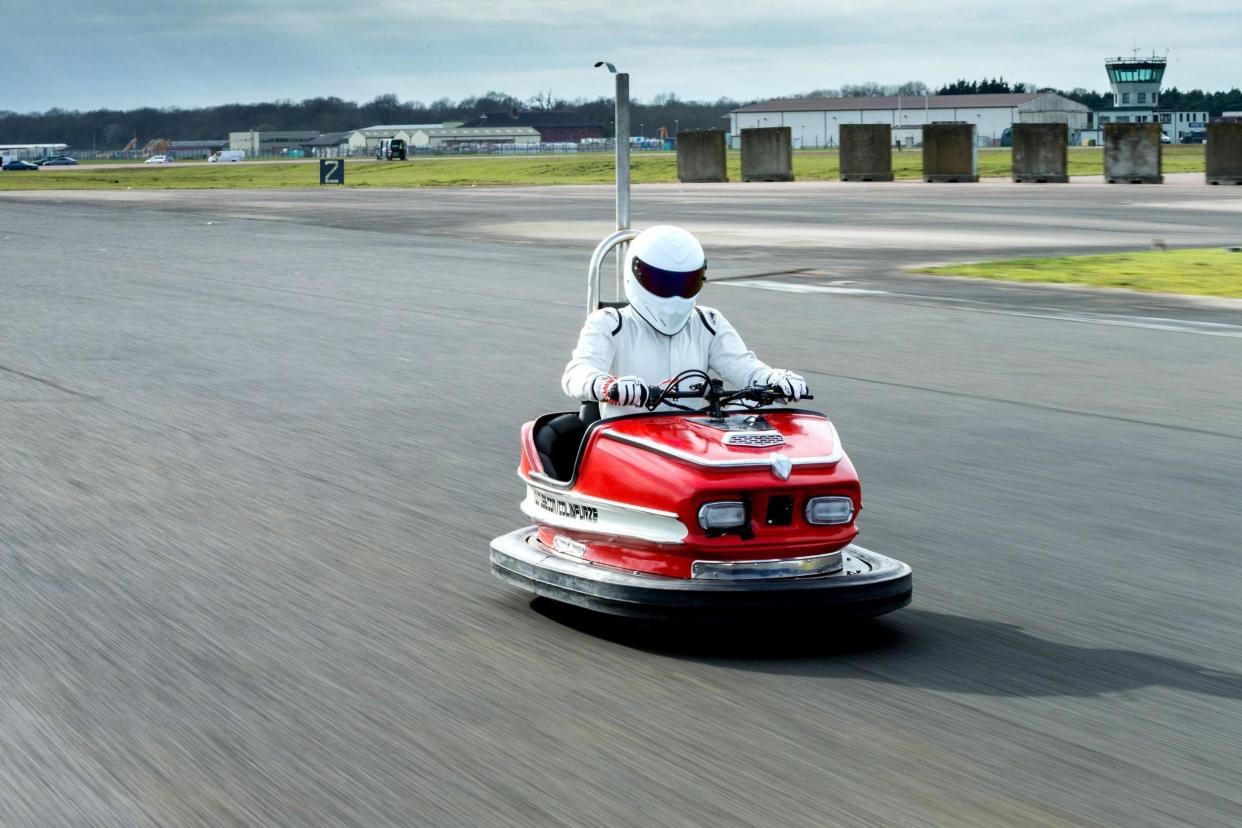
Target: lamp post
{"x":676,"y":128}
{"x":622,"y":134}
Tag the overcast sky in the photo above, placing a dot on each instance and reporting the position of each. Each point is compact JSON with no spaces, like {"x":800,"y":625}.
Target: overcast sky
{"x":86,"y":54}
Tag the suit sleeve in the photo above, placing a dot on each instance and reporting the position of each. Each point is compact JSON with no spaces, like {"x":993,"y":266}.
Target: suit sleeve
{"x":592,"y":358}
{"x":730,"y":358}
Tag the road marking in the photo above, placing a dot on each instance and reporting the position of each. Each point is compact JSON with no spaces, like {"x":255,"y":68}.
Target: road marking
{"x":791,"y":287}
{"x":1155,"y":323}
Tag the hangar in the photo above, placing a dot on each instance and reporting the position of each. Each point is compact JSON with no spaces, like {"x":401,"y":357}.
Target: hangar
{"x":459,"y":136}
{"x":368,"y":139}
{"x":816,"y":122}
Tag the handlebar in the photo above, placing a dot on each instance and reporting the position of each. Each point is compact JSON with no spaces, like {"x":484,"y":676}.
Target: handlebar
{"x":712,"y":391}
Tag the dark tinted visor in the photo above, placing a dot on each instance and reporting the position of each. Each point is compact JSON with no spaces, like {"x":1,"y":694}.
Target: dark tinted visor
{"x":669,"y":283}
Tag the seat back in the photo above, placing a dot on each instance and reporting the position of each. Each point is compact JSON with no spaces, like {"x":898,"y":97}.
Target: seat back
{"x":557,"y":442}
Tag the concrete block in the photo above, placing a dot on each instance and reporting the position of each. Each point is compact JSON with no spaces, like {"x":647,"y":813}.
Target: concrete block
{"x":866,"y":152}
{"x":1224,"y":153}
{"x":1132,"y":154}
{"x":701,"y":157}
{"x":767,"y":154}
{"x":1041,"y":153}
{"x":950,"y":153}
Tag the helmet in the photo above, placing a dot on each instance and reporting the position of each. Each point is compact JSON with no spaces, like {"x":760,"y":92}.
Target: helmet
{"x":664,"y":271}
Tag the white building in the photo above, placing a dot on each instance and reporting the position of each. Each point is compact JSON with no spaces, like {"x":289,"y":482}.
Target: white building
{"x":368,"y":139}
{"x":816,"y":122}
{"x":32,"y":150}
{"x":458,"y":136}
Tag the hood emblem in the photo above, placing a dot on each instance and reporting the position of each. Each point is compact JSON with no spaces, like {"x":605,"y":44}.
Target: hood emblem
{"x":781,"y":466}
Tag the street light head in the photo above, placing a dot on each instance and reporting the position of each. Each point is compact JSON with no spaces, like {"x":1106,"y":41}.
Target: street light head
{"x":611,"y":68}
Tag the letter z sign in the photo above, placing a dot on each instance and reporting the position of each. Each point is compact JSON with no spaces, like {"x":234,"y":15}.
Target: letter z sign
{"x":331,"y":171}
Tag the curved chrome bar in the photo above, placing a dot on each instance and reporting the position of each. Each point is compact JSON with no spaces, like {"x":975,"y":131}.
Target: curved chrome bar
{"x":597,"y":260}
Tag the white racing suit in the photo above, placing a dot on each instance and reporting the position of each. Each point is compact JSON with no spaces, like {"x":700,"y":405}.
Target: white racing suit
{"x":619,"y":342}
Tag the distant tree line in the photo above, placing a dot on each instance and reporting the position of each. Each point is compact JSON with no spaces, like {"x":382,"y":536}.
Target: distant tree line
{"x":112,"y":129}
{"x":987,"y":86}
{"x":1195,"y":100}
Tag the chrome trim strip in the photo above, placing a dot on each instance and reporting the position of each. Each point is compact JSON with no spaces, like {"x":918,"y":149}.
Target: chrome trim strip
{"x":860,"y":566}
{"x":740,"y":463}
{"x":768,"y":569}
{"x":544,"y":480}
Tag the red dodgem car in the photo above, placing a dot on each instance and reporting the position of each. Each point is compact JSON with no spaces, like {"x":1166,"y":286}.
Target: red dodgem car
{"x":723,"y":508}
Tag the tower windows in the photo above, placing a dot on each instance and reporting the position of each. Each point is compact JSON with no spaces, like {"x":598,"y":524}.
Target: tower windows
{"x":1142,"y":97}
{"x":1125,"y":97}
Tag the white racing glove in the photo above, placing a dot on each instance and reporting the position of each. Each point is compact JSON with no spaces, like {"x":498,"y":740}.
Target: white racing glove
{"x":629,"y":391}
{"x":792,"y":385}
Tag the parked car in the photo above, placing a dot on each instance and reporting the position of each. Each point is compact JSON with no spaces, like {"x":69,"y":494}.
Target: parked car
{"x":159,"y":159}
{"x":1165,"y":139}
{"x":18,"y":165}
{"x":60,"y":161}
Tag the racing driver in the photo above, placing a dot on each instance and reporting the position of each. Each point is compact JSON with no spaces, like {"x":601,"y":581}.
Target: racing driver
{"x":662,"y":332}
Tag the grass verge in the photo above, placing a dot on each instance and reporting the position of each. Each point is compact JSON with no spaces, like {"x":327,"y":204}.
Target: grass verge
{"x":593,"y":168}
{"x":1200,"y":272}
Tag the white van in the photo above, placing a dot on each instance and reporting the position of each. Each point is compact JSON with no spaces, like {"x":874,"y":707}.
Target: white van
{"x":227,"y":155}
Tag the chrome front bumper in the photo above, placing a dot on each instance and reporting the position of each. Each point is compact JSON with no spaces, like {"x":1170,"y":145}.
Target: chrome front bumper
{"x":863,"y":584}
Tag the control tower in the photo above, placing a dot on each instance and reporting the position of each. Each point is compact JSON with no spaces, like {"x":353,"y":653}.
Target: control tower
{"x":1136,"y":81}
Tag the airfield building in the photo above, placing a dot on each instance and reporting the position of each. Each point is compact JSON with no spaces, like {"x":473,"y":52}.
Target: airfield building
{"x":816,"y":122}
{"x":1136,"y":99}
{"x":255,"y":143}
{"x":474,"y":136}
{"x":553,"y":127}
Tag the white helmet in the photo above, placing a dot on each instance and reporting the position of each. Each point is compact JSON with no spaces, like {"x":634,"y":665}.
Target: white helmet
{"x":664,"y":271}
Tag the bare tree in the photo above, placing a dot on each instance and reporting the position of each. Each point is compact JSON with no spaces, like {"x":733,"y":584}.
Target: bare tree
{"x":542,"y":100}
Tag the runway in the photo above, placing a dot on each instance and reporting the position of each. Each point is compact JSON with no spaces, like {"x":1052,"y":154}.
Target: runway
{"x":253,"y":446}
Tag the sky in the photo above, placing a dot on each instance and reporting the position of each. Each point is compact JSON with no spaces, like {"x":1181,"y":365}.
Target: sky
{"x":121,"y":54}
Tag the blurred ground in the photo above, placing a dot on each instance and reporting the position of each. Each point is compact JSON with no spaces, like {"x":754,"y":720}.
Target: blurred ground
{"x":253,"y":447}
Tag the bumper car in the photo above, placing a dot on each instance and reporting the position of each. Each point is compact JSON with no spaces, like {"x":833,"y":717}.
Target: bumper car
{"x":722,"y":509}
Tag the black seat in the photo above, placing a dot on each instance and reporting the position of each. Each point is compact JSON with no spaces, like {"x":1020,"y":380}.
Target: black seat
{"x":557,"y":442}
{"x":589,"y":412}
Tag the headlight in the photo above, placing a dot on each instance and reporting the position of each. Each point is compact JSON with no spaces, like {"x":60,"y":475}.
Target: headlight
{"x":829,"y":511}
{"x":724,"y":514}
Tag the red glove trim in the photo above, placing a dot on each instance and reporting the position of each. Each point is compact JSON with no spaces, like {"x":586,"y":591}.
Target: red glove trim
{"x":609,"y":382}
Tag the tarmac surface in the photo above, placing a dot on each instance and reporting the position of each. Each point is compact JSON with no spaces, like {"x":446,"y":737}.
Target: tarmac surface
{"x":253,"y":446}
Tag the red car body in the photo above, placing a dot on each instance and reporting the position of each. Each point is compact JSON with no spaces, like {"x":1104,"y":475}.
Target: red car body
{"x":631,"y":461}
{"x":619,"y":529}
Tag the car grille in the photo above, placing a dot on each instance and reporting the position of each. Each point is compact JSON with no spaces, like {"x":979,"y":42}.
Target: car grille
{"x":753,"y":439}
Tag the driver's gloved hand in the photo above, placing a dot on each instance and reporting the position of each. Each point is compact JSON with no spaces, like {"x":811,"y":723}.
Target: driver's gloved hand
{"x":629,"y":391}
{"x":791,"y":385}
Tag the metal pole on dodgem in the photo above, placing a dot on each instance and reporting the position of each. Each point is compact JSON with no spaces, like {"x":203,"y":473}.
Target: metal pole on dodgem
{"x":622,"y":121}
